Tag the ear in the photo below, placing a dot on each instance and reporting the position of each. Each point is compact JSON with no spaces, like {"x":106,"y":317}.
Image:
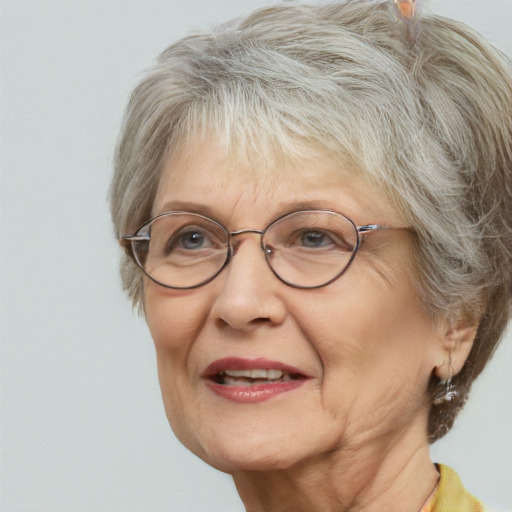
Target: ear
{"x":457,"y":340}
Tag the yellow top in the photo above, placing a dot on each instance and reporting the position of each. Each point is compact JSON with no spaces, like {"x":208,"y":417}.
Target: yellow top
{"x":451,"y":496}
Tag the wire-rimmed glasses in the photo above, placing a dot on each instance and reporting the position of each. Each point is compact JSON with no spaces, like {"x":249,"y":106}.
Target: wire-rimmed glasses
{"x":304,"y":249}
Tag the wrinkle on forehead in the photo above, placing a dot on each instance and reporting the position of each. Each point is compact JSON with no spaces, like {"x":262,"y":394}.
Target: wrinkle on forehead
{"x":259,"y":147}
{"x":208,"y":177}
{"x":249,"y":166}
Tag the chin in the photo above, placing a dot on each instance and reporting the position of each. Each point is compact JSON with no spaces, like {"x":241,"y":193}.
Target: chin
{"x":251,"y":451}
{"x":230,"y":461}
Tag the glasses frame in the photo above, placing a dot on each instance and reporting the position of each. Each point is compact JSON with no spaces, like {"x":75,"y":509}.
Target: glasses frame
{"x":128,"y":241}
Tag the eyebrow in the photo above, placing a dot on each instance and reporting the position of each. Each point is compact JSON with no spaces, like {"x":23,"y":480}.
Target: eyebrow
{"x":187,"y":206}
{"x":284,"y":208}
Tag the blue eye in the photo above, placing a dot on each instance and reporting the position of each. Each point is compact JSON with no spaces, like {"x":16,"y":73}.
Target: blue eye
{"x":318,"y":240}
{"x":189,"y":239}
{"x":192,"y":240}
{"x":315,"y":239}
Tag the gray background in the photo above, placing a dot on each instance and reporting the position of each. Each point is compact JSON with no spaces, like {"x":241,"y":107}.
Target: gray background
{"x":82,"y":426}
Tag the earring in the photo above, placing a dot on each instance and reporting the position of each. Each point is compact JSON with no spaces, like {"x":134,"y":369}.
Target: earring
{"x":448,"y":393}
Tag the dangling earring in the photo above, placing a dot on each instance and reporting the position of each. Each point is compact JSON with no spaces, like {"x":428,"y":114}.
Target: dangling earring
{"x":449,"y":392}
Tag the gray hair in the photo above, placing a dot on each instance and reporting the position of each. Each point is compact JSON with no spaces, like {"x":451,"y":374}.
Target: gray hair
{"x":430,"y":124}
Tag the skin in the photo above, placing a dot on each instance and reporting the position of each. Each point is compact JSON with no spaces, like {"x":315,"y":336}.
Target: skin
{"x":353,"y":437}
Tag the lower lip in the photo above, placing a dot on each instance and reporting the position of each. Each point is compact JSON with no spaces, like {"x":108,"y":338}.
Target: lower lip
{"x":255,"y":393}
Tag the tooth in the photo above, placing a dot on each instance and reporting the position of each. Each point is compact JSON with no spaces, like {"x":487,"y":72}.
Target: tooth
{"x":259,"y":374}
{"x":275,"y":374}
{"x":256,"y":373}
{"x":235,"y":382}
{"x":238,"y":373}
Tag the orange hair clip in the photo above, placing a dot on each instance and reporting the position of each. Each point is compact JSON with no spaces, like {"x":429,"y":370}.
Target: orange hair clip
{"x":407,"y":10}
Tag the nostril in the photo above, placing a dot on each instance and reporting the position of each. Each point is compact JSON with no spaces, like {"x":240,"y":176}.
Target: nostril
{"x":229,"y":323}
{"x":261,"y":320}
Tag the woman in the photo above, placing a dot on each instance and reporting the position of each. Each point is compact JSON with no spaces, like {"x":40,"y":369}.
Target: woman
{"x":315,"y":202}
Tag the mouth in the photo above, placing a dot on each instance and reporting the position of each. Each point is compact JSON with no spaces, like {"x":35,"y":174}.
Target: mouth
{"x":252,"y":380}
{"x":254,"y":377}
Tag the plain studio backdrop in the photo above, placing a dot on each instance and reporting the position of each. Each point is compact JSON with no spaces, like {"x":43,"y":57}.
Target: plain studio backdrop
{"x":82,"y":424}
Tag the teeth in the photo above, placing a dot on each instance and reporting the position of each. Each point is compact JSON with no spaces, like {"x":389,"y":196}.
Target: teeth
{"x":236,"y":382}
{"x":274,"y":374}
{"x":255,"y":374}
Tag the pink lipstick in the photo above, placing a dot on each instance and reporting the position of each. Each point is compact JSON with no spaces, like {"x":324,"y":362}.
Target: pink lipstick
{"x":251,"y":380}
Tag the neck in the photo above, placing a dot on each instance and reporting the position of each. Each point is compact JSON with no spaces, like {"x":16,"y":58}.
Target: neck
{"x":395,"y":476}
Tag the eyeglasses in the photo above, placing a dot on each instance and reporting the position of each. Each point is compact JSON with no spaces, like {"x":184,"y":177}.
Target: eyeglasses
{"x":304,"y":249}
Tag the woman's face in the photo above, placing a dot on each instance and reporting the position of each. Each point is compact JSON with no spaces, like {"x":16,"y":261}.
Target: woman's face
{"x":364,"y":346}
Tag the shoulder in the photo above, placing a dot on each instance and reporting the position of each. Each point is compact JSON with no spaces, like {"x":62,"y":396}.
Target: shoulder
{"x":451,"y":496}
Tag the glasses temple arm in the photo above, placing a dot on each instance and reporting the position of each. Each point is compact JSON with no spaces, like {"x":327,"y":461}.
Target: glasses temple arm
{"x":125,"y":242}
{"x":368,"y":228}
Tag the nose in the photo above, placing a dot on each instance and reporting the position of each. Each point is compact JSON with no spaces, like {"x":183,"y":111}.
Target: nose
{"x":249,"y":293}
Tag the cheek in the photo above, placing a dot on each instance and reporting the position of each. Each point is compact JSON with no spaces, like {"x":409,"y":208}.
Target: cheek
{"x":173,"y":316}
{"x":174,"y":319}
{"x":372,"y":340}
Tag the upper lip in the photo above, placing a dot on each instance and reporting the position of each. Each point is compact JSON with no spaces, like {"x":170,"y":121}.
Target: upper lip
{"x":237,"y":363}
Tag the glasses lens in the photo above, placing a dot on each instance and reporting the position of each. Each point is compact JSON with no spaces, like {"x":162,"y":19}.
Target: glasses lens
{"x":308,"y":249}
{"x":183,"y":250}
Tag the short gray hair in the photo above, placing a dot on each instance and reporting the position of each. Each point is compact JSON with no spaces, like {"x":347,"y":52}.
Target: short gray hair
{"x":431,"y":124}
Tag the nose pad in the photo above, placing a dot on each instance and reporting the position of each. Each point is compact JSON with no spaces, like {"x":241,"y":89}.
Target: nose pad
{"x":250,"y":293}
{"x":265,"y":249}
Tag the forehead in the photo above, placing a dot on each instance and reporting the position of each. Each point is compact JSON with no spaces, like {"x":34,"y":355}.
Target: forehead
{"x":211,"y":176}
